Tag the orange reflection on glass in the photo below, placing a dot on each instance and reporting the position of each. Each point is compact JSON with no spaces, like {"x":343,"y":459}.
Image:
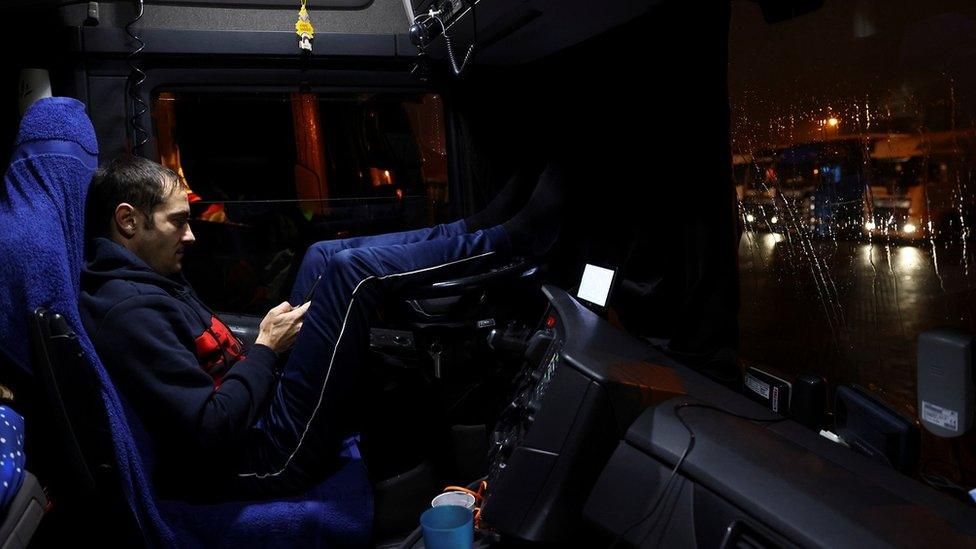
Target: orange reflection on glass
{"x":215,"y":213}
{"x":380,"y":177}
{"x":311,"y":183}
{"x":164,"y":112}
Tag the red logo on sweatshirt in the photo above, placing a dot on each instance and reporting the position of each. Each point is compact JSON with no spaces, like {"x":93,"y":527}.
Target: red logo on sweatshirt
{"x":217,"y":350}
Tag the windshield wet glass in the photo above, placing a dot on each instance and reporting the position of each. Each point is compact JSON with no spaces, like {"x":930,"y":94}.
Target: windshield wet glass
{"x":854,"y":160}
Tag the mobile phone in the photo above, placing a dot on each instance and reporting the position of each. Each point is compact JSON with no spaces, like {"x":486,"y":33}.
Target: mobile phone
{"x":311,"y":291}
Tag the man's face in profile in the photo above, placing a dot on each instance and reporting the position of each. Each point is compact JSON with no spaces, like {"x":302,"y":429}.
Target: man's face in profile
{"x":163,"y":244}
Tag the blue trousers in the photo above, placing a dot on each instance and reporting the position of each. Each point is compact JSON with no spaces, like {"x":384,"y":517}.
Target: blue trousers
{"x":292,"y":445}
{"x":320,"y":254}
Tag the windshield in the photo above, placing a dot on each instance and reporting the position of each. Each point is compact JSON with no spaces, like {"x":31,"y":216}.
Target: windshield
{"x":860,"y":236}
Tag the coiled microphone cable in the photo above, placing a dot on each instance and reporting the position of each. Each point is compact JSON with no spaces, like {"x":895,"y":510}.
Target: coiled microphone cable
{"x":140,"y":136}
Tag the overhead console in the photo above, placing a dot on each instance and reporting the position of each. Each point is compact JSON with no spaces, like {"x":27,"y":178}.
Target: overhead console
{"x":509,"y":32}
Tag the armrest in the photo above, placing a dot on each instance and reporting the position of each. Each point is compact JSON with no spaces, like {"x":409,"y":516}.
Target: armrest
{"x":24,"y":514}
{"x":245,"y":327}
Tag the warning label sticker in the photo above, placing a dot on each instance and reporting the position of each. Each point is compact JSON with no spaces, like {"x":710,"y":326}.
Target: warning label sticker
{"x":937,"y":415}
{"x":757,"y":386}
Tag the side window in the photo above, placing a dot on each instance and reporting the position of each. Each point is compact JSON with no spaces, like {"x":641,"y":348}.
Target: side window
{"x":270,"y":173}
{"x":855,"y":164}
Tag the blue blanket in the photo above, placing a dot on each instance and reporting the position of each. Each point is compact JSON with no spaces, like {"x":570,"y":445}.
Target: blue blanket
{"x":337,"y":513}
{"x":41,"y":242}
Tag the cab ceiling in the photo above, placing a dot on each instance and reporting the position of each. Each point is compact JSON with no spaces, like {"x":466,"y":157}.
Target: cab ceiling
{"x":507,"y":32}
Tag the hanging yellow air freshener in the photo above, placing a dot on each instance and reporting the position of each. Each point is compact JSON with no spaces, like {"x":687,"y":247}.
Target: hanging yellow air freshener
{"x":304,"y":29}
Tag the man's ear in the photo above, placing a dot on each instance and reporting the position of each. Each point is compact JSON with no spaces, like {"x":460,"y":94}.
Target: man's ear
{"x":126,"y":219}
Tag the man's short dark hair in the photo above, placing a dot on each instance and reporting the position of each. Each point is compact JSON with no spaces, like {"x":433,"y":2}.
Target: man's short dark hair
{"x":132,"y":179}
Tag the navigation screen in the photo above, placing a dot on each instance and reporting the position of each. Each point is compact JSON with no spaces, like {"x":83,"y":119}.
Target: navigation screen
{"x":595,"y":285}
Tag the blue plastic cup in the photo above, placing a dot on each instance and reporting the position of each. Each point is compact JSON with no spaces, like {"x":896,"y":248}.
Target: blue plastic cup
{"x":448,"y":527}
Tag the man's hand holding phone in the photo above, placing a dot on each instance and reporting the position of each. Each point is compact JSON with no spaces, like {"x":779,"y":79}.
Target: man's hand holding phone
{"x":280,"y":326}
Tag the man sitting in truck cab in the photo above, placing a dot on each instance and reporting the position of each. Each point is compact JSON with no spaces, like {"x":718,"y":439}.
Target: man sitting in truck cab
{"x":248,"y":422}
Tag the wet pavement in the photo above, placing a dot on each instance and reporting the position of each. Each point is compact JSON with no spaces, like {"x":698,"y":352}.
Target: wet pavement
{"x":851,"y":310}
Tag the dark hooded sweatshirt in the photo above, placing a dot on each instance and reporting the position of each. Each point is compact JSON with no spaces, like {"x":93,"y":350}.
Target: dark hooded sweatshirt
{"x":190,"y":381}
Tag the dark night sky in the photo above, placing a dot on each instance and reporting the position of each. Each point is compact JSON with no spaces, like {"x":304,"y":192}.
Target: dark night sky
{"x":897,"y":56}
